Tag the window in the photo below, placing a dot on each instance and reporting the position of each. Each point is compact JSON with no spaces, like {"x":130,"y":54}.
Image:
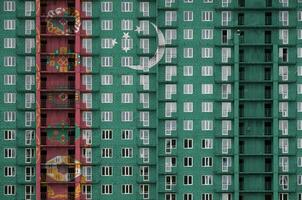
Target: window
{"x":170,"y":34}
{"x":225,"y":182}
{"x":106,"y":171}
{"x":226,"y":163}
{"x":29,"y":155}
{"x":206,"y":52}
{"x":188,"y":34}
{"x":87,"y":118}
{"x":107,"y":98}
{"x":106,"y":25}
{"x":9,"y":24}
{"x":127,"y":80}
{"x":127,"y":98}
{"x":207,"y":143}
{"x":127,"y":25}
{"x":106,"y":189}
{"x":126,"y":116}
{"x":106,"y":43}
{"x":188,"y":15}
{"x":9,"y":152}
{"x":9,"y":171}
{"x":126,"y":189}
{"x":29,"y":118}
{"x":29,"y":45}
{"x":207,"y":71}
{"x":106,"y":153}
{"x":225,"y":54}
{"x":188,"y":161}
{"x":29,"y":8}
{"x":9,"y":43}
{"x":188,"y":180}
{"x":106,"y":116}
{"x":283,"y":18}
{"x":105,"y":61}
{"x":188,"y":106}
{"x":87,"y":172}
{"x":107,"y":134}
{"x":9,"y":97}
{"x":170,"y":17}
{"x":9,"y":61}
{"x":207,"y":16}
{"x":144,"y":136}
{"x":87,"y":100}
{"x":87,"y":191}
{"x":188,"y":89}
{"x":127,"y":6}
{"x":283,"y":36}
{"x":188,"y":71}
{"x":225,"y":18}
{"x":206,"y":125}
{"x":188,"y":125}
{"x":207,"y":34}
{"x":206,"y":180}
{"x":9,"y":116}
{"x":226,"y":145}
{"x":207,"y":107}
{"x":188,"y":143}
{"x":9,"y":134}
{"x":106,"y":79}
{"x":30,"y":63}
{"x":126,"y":171}
{"x":127,"y":134}
{"x":87,"y":8}
{"x":127,"y":153}
{"x":209,"y":196}
{"x":29,"y":173}
{"x":206,"y":88}
{"x":188,"y":53}
{"x":106,"y":6}
{"x":206,"y":162}
{"x":87,"y":27}
{"x":9,"y":190}
{"x":284,"y":181}
{"x":9,"y":6}
{"x":144,"y":8}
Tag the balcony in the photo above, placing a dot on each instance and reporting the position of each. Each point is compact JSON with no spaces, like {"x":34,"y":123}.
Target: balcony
{"x":58,"y":85}
{"x":52,"y":104}
{"x":69,"y":141}
{"x":69,"y":178}
{"x":50,"y":69}
{"x":70,"y":160}
{"x":70,"y":122}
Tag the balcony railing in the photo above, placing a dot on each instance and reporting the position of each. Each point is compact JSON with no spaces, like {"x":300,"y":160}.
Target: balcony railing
{"x":71,"y":140}
{"x":70,"y":122}
{"x":70,"y":177}
{"x":58,"y":85}
{"x":69,"y":103}
{"x":70,"y":68}
{"x":71,"y":159}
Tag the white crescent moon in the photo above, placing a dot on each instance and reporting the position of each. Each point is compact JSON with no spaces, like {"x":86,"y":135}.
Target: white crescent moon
{"x":160,"y":51}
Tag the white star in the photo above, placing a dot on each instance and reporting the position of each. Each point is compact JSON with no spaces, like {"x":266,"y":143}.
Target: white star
{"x":138,"y":29}
{"x":126,"y":35}
{"x":114,"y":42}
{"x":126,"y":49}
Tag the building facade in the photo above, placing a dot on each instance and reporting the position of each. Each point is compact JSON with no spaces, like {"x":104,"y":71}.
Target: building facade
{"x":146,"y":99}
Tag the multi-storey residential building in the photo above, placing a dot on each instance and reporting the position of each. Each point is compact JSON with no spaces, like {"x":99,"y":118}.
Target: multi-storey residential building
{"x":151,"y":99}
